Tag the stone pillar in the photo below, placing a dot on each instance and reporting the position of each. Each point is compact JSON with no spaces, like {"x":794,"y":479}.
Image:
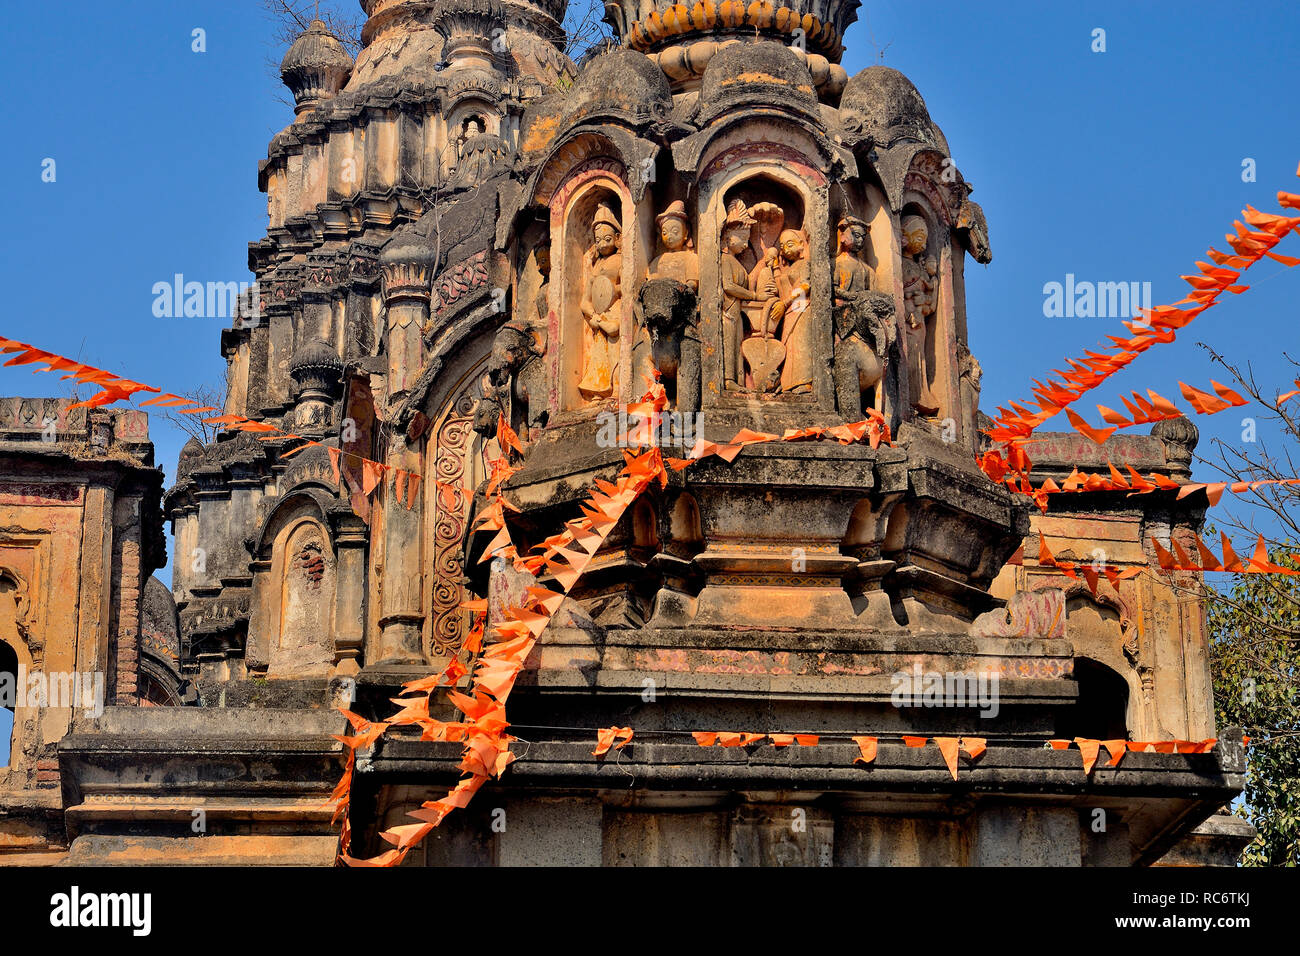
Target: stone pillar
{"x":350,"y":540}
{"x":406,"y":264}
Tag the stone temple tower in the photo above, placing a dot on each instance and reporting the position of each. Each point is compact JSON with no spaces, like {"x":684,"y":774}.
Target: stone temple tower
{"x":465,"y":227}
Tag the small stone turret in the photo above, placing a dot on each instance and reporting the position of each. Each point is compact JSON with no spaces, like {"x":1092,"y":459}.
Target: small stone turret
{"x":315,"y":68}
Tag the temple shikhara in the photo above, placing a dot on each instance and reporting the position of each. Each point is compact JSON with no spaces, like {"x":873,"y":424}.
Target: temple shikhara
{"x":482,"y":261}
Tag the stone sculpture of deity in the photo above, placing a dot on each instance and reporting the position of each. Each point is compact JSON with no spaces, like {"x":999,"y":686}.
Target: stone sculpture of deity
{"x":864,"y":322}
{"x":678,"y":260}
{"x":602,"y":307}
{"x":736,"y":289}
{"x":920,"y":301}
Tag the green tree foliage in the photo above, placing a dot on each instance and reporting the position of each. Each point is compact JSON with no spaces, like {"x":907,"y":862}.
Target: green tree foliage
{"x":1255,"y":656}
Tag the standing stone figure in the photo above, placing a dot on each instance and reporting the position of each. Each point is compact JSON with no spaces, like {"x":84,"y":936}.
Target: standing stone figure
{"x":864,"y":323}
{"x":794,"y":284}
{"x":920,"y":301}
{"x":602,"y":301}
{"x":736,"y":289}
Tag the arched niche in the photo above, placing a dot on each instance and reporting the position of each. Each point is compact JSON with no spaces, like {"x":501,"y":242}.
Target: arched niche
{"x":685,"y":538}
{"x":589,"y":369}
{"x":764,"y":173}
{"x":469,"y":116}
{"x":295,"y":589}
{"x":1101,"y":710}
{"x":303,"y":567}
{"x":645,"y":531}
{"x":1100,"y":632}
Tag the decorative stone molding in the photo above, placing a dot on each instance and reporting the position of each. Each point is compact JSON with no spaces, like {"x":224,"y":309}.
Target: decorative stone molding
{"x":407,"y":264}
{"x":1180,"y":437}
{"x":469,"y":29}
{"x":821,"y":27}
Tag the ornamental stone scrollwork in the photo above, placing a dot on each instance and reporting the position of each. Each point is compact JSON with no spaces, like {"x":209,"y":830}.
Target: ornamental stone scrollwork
{"x":458,"y":281}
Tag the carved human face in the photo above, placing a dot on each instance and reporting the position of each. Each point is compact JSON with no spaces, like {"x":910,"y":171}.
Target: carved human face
{"x":915,"y":236}
{"x":853,"y":238}
{"x":673,"y":233}
{"x":606,"y":237}
{"x":791,"y":246}
{"x":736,"y":239}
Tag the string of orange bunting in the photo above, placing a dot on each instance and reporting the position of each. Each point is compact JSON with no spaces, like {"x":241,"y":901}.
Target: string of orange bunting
{"x":494,"y":667}
{"x":114,"y":388}
{"x":613,"y":739}
{"x":562,"y":559}
{"x":1252,"y":241}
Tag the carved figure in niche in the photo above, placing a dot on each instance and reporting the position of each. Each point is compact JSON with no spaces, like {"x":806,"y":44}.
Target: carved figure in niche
{"x":765,"y":238}
{"x":736,"y":289}
{"x":782,"y":284}
{"x":515,"y":381}
{"x":864,"y":323}
{"x":794,"y":284}
{"x":668,"y":310}
{"x":762,"y":352}
{"x":678,"y":260}
{"x":602,"y":301}
{"x":920,"y":301}
{"x":481,"y":155}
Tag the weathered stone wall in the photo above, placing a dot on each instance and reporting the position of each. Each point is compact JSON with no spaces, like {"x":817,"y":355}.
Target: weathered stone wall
{"x":80,"y":532}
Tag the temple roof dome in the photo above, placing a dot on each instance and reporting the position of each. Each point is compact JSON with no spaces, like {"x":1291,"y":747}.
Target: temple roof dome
{"x":756,"y":73}
{"x":888,"y":107}
{"x":622,"y":82}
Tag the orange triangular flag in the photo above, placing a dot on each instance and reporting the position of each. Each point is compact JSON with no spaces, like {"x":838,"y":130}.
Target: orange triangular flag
{"x":1089,"y":749}
{"x":974,"y":746}
{"x":948,"y":748}
{"x":867,"y":747}
{"x":1116,"y":750}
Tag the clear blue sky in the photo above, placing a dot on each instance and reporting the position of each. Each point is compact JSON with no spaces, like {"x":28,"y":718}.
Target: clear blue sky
{"x":1115,"y":166}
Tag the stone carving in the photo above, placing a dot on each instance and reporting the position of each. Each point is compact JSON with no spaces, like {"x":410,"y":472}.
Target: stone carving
{"x":453,"y":443}
{"x":678,"y":260}
{"x":458,"y":281}
{"x":920,"y":301}
{"x":864,"y":324}
{"x":736,"y":288}
{"x":515,"y":382}
{"x":668,"y":311}
{"x":783,"y":280}
{"x":765,"y":278}
{"x":602,"y":302}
